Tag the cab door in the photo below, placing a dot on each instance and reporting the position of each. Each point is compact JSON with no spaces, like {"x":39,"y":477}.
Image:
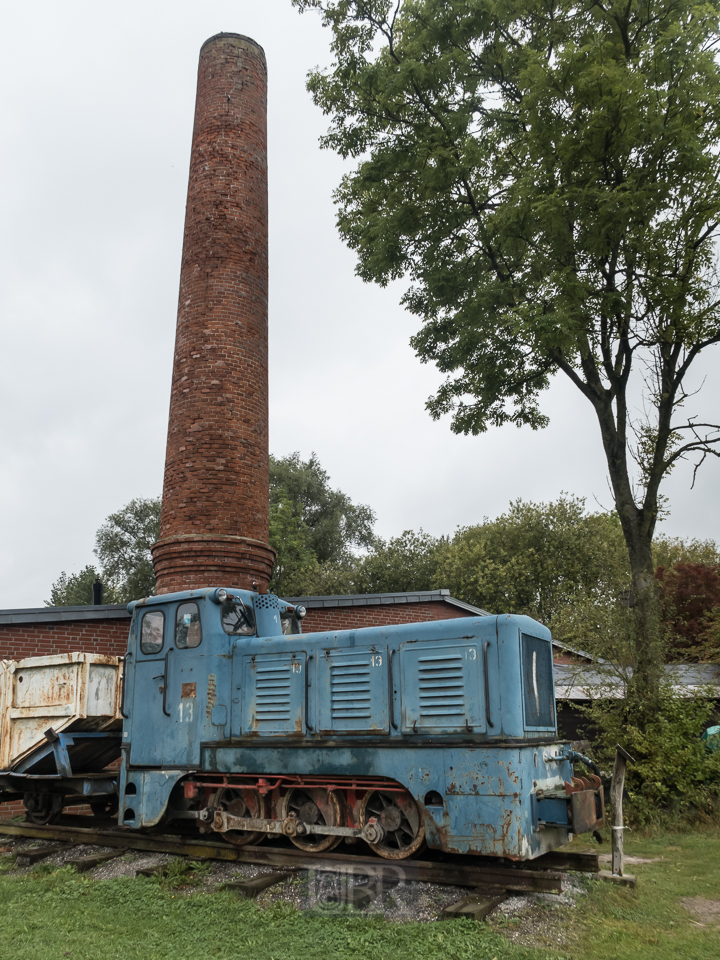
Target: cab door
{"x":147,"y":720}
{"x":174,"y":689}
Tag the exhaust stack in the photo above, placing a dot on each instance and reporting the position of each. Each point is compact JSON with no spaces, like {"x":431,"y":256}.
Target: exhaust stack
{"x":214,"y":526}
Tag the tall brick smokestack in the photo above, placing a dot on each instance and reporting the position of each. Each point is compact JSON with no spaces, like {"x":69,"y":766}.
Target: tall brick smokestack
{"x":214,"y":522}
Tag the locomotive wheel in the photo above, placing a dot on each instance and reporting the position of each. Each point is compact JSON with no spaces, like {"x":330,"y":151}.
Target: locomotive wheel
{"x":244,"y":802}
{"x":43,"y":807}
{"x":398,"y":815}
{"x":314,"y":806}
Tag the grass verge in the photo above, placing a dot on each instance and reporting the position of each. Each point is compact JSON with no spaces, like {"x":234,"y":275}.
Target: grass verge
{"x":652,"y":921}
{"x":674,"y":912}
{"x":62,"y":915}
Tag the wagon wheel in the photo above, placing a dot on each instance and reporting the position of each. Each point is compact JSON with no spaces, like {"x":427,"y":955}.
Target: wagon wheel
{"x":399,"y":816}
{"x":43,"y":807}
{"x":104,"y":807}
{"x":316,"y":805}
{"x":243,"y":802}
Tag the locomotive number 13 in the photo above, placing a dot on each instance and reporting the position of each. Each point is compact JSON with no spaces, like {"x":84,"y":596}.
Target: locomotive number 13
{"x":185,"y":709}
{"x":376,"y":660}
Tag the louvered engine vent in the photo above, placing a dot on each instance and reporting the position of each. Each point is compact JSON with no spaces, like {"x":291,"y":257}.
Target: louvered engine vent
{"x":442,"y":686}
{"x":272,"y":692}
{"x":350,"y":691}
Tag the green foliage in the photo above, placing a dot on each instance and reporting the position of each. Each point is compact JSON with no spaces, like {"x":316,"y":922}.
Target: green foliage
{"x":312,"y":526}
{"x":407,"y":562}
{"x":545,"y":174}
{"x":334,"y":523}
{"x":76,"y":589}
{"x":675,"y":775}
{"x":538,"y":559}
{"x":122,"y":544}
{"x":181,"y":873}
{"x":296,"y":564}
{"x":667,"y":551}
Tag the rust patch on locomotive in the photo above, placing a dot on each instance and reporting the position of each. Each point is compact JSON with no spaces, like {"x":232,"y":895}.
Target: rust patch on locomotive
{"x":211,"y":696}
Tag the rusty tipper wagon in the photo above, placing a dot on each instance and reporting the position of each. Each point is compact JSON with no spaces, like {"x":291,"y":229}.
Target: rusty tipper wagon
{"x":60,"y":725}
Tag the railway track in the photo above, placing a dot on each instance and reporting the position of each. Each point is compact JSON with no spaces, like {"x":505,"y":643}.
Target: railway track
{"x":542,"y":875}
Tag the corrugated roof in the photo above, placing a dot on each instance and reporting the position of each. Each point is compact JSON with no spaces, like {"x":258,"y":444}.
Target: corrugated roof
{"x":583,"y":682}
{"x":381,"y":599}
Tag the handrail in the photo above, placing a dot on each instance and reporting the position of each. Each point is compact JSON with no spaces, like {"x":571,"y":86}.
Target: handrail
{"x":125,"y":716}
{"x":165,"y":683}
{"x":487,"y":683}
{"x":391,"y":691}
{"x":310,"y":728}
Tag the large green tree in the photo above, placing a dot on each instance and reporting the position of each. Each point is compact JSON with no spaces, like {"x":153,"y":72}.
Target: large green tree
{"x":546,"y":175}
{"x":334,"y":523}
{"x":313,"y":527}
{"x":122,"y":544}
{"x":537,"y":558}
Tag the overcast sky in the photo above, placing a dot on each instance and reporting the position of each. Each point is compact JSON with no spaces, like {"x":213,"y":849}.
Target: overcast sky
{"x":97,"y":108}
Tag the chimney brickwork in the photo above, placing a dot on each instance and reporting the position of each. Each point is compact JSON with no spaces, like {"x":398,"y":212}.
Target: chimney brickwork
{"x":214,"y":522}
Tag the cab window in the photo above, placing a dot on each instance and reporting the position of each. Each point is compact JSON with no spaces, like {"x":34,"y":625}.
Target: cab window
{"x":290,"y":623}
{"x":151,"y":632}
{"x":237,"y":619}
{"x":188,"y":632}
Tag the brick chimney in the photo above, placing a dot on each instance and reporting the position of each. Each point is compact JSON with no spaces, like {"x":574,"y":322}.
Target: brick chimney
{"x":214,"y":521}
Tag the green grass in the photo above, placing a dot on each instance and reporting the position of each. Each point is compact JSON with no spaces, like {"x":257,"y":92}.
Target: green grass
{"x":60,"y":914}
{"x":649,"y":922}
{"x":51,"y":917}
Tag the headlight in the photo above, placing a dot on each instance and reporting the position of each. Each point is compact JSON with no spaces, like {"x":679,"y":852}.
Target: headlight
{"x":300,"y":612}
{"x":220,"y":596}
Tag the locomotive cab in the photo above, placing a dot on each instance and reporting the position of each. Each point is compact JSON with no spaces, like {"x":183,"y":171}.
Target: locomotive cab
{"x":178,"y":674}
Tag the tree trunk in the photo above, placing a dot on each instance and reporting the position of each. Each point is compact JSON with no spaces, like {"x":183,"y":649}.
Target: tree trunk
{"x":638,"y":526}
{"x":645,"y":684}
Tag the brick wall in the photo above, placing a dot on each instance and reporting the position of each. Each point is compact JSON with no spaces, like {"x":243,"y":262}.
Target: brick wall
{"x":108,"y":637}
{"x":379,"y":615}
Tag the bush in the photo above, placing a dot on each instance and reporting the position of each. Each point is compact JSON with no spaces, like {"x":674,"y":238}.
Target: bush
{"x":675,"y":775}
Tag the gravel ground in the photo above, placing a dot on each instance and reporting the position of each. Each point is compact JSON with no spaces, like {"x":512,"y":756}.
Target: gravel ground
{"x":528,"y":920}
{"x":535,"y":920}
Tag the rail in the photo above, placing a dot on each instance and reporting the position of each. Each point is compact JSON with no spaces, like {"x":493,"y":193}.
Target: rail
{"x":541,"y":875}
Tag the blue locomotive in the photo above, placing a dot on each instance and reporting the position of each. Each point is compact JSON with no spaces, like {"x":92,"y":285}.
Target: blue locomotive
{"x":440,"y":733}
